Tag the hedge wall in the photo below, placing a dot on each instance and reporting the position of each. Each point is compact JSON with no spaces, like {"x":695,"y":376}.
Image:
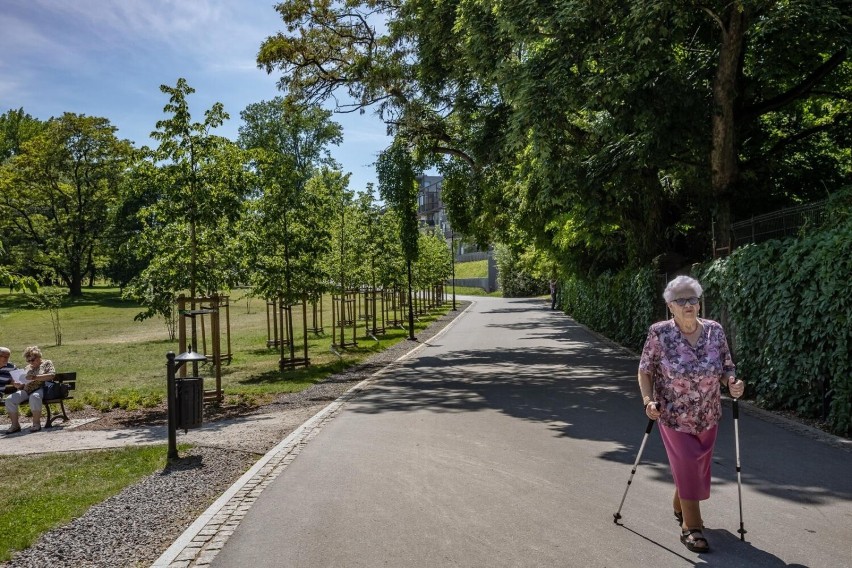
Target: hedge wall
{"x":791,"y":305}
{"x":789,"y":311}
{"x":620,"y":306}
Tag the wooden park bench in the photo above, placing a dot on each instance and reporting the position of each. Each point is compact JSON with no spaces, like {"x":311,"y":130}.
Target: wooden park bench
{"x":69,"y":379}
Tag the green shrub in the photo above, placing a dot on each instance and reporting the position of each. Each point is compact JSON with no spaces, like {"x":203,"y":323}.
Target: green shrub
{"x":517,"y":280}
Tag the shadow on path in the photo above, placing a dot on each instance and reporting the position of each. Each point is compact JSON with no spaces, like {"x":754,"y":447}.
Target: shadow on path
{"x":587,"y":391}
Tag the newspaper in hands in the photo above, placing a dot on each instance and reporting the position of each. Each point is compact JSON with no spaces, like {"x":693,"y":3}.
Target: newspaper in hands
{"x":19,"y":376}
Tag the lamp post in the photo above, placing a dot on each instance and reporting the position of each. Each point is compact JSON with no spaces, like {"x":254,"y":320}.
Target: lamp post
{"x":453,"y":260}
{"x":172,"y":365}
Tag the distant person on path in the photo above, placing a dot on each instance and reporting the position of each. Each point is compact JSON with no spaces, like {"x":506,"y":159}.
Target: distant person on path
{"x":554,"y":288}
{"x":37,"y":370}
{"x":684,"y":363}
{"x":6,"y":386}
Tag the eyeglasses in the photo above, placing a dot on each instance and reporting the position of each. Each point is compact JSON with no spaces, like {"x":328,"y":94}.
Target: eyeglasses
{"x":31,"y":359}
{"x":684,"y":301}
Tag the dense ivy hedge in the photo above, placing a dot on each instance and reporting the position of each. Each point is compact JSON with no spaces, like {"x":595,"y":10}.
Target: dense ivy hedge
{"x":790,"y":303}
{"x":620,"y":306}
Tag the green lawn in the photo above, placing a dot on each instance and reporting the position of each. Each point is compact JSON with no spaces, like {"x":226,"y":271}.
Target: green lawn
{"x":60,"y":488}
{"x":472,"y":291}
{"x":473,"y":269}
{"x":121,"y":362}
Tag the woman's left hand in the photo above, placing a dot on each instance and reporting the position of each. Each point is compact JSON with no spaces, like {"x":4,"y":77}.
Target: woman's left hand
{"x":736,"y":387}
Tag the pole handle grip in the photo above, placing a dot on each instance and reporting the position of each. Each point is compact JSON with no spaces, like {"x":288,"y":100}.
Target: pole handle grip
{"x":651,"y":421}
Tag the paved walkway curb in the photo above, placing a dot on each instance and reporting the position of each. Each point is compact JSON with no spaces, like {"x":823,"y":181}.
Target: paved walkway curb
{"x":202,"y":541}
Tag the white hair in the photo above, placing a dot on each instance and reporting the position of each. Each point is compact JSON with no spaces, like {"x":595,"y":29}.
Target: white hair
{"x":5,"y":351}
{"x":679,"y":284}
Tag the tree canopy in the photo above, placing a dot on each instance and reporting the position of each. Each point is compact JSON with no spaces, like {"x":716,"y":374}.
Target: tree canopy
{"x":606,"y":133}
{"x":57,"y":190}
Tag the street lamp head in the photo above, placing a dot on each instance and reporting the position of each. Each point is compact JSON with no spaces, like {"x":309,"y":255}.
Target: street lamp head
{"x":190,"y":357}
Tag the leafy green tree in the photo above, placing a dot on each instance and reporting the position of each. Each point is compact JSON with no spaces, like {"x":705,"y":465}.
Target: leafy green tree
{"x":57,"y":194}
{"x":189,"y":232}
{"x":15,"y":281}
{"x":290,"y":146}
{"x":608,"y":132}
{"x":433,"y":264}
{"x":16,"y":127}
{"x":398,"y":187}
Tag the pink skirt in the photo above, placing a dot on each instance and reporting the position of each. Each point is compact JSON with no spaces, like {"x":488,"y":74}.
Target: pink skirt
{"x":690,"y":456}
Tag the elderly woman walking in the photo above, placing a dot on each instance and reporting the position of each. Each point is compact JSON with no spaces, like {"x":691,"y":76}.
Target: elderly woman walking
{"x":684,"y":363}
{"x":37,"y":371}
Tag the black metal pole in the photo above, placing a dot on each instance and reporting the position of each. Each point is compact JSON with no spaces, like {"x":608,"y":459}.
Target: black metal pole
{"x":410,"y":306}
{"x":453,"y":257}
{"x":736,"y":406}
{"x":617,"y":515}
{"x":171,"y":401}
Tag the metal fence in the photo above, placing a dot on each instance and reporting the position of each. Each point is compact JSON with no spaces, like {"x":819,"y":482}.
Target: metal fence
{"x":778,"y":224}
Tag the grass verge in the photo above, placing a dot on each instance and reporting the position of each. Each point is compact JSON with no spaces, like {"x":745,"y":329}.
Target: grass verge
{"x":60,"y":488}
{"x":120,"y":363}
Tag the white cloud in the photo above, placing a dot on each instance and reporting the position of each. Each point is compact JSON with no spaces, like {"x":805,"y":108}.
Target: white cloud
{"x":211,"y":34}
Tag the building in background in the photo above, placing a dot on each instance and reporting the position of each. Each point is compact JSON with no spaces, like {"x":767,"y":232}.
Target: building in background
{"x":433,"y":216}
{"x":430,"y":207}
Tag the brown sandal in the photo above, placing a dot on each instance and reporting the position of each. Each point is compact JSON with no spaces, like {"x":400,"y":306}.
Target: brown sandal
{"x":693,"y":538}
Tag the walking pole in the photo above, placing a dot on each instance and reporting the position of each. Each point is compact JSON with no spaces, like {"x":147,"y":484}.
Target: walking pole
{"x":742,"y":530}
{"x":617,"y":515}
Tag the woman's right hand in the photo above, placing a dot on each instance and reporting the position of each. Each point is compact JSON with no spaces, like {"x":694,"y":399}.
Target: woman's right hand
{"x":652,"y":410}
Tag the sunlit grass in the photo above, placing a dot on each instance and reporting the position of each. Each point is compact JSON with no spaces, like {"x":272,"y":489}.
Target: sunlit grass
{"x":46,"y":491}
{"x":121,"y":362}
{"x":473,"y":269}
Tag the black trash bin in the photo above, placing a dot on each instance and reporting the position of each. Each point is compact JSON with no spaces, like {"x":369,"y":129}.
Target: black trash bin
{"x":190,"y":402}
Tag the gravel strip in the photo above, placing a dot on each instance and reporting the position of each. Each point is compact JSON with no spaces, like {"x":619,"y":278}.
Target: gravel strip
{"x":134,"y":527}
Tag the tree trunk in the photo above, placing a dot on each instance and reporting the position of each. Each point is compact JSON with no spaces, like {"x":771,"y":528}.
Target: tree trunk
{"x":75,"y":284}
{"x":723,"y":156}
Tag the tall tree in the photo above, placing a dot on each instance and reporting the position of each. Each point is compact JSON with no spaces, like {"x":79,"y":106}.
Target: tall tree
{"x":289,"y":145}
{"x":398,"y":187}
{"x":190,"y":231}
{"x":57,"y":194}
{"x":609,"y":131}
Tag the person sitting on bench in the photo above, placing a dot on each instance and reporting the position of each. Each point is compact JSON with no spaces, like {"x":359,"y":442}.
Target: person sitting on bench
{"x":37,"y":370}
{"x":6,"y":386}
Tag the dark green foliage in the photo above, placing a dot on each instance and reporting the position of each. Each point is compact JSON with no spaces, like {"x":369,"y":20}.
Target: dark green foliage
{"x":516,"y":279}
{"x":397,"y":186}
{"x":790,"y":303}
{"x":620,"y":306}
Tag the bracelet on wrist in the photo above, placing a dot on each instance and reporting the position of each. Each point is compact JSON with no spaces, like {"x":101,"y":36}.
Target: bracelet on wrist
{"x":646,"y":400}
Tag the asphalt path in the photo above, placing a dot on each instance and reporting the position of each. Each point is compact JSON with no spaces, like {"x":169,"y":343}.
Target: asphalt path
{"x":508,"y":441}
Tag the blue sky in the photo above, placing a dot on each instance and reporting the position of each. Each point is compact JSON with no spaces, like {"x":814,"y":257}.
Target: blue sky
{"x":109,"y":57}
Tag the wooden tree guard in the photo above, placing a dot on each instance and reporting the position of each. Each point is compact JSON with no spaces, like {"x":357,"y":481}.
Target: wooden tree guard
{"x":317,"y":326}
{"x":277,"y":332}
{"x":288,"y":358}
{"x":374,"y":313}
{"x":344,"y":315}
{"x":437,"y":295}
{"x":394,"y":305}
{"x":213,"y":307}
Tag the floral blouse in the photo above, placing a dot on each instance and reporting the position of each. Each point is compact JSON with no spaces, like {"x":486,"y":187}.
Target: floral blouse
{"x":687,"y":379}
{"x":46,"y":368}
